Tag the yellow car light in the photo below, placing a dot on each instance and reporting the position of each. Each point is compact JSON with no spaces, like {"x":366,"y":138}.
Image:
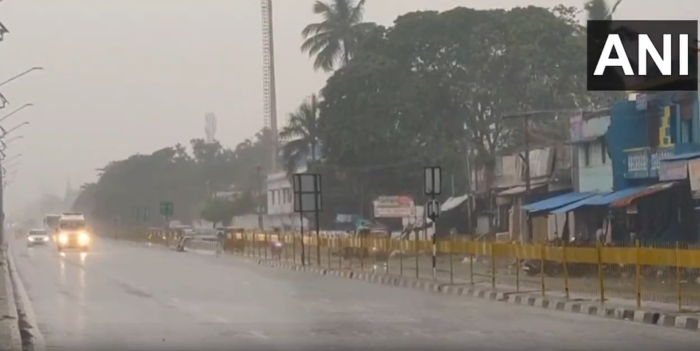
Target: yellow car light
{"x":83,"y":239}
{"x":63,"y":238}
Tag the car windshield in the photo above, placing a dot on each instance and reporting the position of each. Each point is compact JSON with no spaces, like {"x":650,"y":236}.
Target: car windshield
{"x":37,"y":232}
{"x":72,"y":225}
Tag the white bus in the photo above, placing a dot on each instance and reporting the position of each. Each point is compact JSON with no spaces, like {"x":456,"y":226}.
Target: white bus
{"x":73,"y":232}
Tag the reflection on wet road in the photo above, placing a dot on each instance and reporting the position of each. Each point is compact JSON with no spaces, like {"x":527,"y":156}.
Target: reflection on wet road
{"x":134,"y":297}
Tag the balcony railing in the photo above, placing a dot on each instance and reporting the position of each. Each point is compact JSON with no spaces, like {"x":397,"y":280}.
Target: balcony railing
{"x":644,"y":162}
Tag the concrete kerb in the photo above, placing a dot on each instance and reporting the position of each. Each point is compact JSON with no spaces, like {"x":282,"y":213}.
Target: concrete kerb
{"x":592,"y":308}
{"x":24,"y":304}
{"x":10,"y":337}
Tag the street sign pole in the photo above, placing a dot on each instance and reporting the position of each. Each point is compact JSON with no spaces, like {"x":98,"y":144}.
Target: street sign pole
{"x":307,"y":198}
{"x":433,"y":187}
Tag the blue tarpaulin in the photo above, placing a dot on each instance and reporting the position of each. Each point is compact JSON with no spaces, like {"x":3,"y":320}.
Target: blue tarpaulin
{"x":557,"y":201}
{"x":601,"y":199}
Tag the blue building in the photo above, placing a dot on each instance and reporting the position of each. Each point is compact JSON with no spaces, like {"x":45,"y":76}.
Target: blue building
{"x":633,"y":171}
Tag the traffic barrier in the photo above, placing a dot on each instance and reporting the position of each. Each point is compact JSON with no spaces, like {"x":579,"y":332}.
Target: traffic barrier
{"x":645,"y":272}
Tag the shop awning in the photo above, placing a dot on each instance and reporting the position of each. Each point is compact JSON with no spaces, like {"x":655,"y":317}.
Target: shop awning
{"x":557,"y":201}
{"x":519,"y":190}
{"x":681,"y":157}
{"x":600,"y":199}
{"x":626,"y":201}
{"x":453,"y":202}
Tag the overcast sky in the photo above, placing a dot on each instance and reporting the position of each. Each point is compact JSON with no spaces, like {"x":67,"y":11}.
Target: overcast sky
{"x":127,"y":76}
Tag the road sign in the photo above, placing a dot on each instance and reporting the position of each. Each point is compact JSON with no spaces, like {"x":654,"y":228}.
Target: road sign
{"x":432,"y":209}
{"x":433,"y":181}
{"x":166,"y":208}
{"x":307,"y":192}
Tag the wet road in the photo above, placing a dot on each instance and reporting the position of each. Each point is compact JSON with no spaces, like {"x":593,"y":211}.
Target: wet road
{"x":131,"y":297}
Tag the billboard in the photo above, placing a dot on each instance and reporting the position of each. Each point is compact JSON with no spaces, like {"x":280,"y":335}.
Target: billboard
{"x":394,"y":207}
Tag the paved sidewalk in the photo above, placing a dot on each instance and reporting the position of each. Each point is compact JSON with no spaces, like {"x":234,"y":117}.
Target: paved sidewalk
{"x":10,"y":339}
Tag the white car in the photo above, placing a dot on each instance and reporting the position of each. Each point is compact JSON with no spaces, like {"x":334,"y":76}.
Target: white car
{"x":38,"y":237}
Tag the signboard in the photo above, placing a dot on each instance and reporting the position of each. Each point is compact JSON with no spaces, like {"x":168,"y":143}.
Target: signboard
{"x":167,"y":209}
{"x":576,"y":127}
{"x":673,"y":170}
{"x":432,"y":209}
{"x":394,"y":207}
{"x":694,"y":174}
{"x":307,"y":192}
{"x":540,"y":161}
{"x":432,"y":181}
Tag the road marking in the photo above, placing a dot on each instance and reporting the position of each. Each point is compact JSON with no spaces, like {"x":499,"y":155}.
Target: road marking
{"x":38,"y":342}
{"x":259,"y":334}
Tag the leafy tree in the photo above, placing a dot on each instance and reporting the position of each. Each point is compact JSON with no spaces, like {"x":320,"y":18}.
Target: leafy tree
{"x":434,"y":87}
{"x":173,"y":174}
{"x":216,"y":210}
{"x":300,"y":134}
{"x":335,"y":39}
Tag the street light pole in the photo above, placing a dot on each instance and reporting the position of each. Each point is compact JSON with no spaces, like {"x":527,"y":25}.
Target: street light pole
{"x":22,"y":74}
{"x":258,"y":170}
{"x":6,"y":132}
{"x":16,"y":110}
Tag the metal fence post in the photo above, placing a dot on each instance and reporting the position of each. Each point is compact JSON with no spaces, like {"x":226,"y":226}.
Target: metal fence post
{"x":450,"y":248}
{"x":566,"y":270}
{"x":601,"y":273}
{"x":679,"y":278}
{"x":517,"y":268}
{"x":493,"y":265}
{"x":638,"y":274}
{"x":542,"y":283}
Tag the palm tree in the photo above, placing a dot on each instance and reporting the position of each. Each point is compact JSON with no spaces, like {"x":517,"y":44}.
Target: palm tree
{"x":335,"y":39}
{"x":300,"y":134}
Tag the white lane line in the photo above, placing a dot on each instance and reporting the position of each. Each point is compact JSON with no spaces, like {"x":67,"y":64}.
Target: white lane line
{"x":38,"y":341}
{"x":259,"y":334}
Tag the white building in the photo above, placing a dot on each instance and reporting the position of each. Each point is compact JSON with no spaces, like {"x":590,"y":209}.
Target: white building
{"x":280,"y":199}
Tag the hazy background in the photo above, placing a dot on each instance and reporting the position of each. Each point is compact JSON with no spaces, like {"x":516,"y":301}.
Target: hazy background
{"x":131,"y":76}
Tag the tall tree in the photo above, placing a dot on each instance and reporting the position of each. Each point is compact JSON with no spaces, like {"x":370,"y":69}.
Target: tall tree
{"x":334,"y":40}
{"x":425,"y":89}
{"x":300,"y":134}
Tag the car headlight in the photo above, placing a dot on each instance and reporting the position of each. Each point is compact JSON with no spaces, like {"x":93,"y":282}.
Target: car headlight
{"x":278,"y":244}
{"x":30,"y":238}
{"x":63,"y":238}
{"x":83,"y":238}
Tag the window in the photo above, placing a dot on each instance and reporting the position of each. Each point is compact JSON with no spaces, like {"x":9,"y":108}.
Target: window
{"x":587,"y":154}
{"x":272,"y":196}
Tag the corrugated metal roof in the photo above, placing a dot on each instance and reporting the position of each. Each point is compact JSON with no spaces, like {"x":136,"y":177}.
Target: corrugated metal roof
{"x":626,"y":201}
{"x":601,"y":199}
{"x":519,"y":189}
{"x":453,"y":202}
{"x":557,"y":201}
{"x":683,"y":156}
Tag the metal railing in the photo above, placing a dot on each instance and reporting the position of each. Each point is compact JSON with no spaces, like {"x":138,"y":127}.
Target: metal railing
{"x":641,"y":272}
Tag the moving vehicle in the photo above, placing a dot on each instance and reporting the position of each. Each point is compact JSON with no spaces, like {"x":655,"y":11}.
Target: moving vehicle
{"x":38,"y":237}
{"x":51,"y":224}
{"x":73,"y":232}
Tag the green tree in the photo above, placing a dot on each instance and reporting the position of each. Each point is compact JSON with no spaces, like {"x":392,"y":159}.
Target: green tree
{"x":185,"y":177}
{"x":300,"y":134}
{"x":334,"y":40}
{"x":434,"y":87}
{"x":217,"y":211}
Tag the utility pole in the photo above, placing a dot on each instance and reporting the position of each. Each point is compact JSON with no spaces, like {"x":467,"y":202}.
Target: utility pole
{"x":258,"y":170}
{"x":527,"y":173}
{"x":526,"y":116}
